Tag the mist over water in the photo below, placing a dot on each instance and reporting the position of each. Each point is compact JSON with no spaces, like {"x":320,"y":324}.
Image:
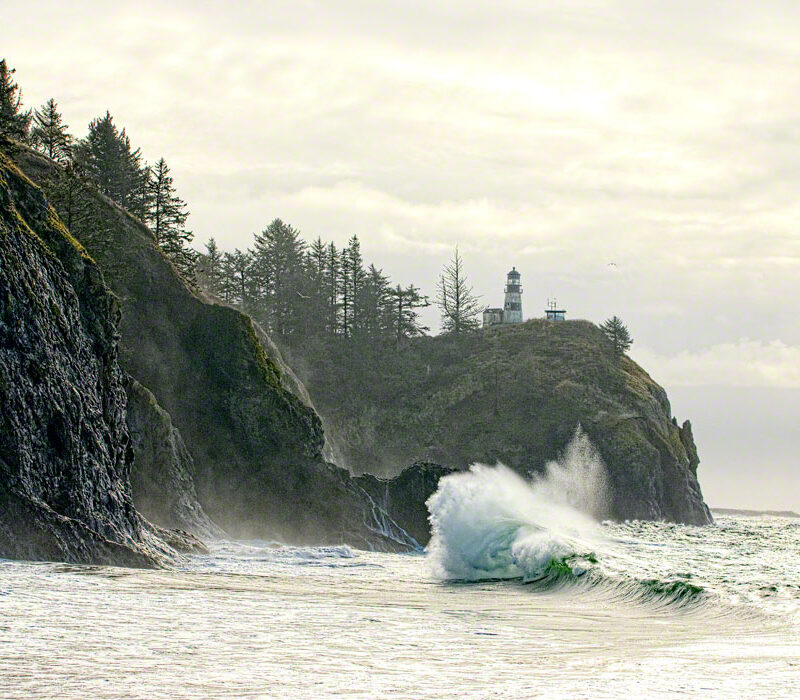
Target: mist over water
{"x":577,"y":479}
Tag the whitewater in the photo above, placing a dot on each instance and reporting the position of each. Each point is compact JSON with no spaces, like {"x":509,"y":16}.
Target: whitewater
{"x":523,"y":592}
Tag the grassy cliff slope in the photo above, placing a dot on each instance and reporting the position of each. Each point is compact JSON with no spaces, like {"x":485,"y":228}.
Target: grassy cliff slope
{"x":516,"y":394}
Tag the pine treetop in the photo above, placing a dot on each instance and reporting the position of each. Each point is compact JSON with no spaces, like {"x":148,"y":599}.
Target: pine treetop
{"x":14,"y":122}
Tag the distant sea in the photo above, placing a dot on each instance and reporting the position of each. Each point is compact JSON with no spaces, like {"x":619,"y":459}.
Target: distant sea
{"x":756,"y":513}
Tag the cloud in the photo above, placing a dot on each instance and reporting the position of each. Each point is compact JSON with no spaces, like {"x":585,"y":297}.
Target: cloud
{"x":556,"y":137}
{"x":744,"y":363}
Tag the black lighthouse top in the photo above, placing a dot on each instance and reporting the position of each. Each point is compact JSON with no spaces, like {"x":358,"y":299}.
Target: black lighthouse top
{"x":514,"y":273}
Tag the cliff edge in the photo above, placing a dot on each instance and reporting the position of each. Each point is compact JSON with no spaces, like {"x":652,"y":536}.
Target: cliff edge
{"x":516,"y":394}
{"x":255,"y":444}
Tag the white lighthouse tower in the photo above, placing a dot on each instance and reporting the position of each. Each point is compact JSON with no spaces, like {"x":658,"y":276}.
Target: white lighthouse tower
{"x":512,"y":310}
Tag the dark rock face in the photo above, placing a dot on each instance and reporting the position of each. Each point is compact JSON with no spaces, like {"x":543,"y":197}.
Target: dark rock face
{"x":653,"y":469}
{"x":162,"y":479}
{"x":257,"y":448}
{"x":65,"y":454}
{"x":403,"y":497}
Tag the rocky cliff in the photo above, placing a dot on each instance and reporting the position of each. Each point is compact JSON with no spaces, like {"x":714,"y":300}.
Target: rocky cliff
{"x":516,"y":394}
{"x":162,"y":477}
{"x":403,"y":497}
{"x":256,"y":446}
{"x":65,"y":453}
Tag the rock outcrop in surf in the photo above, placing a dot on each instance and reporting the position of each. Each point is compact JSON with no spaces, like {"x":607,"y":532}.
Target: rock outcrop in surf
{"x":403,"y":498}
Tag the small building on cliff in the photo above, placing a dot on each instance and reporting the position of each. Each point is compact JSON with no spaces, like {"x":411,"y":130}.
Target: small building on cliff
{"x":492,"y":316}
{"x":553,"y":313}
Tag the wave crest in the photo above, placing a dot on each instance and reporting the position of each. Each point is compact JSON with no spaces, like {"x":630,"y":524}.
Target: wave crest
{"x":489,"y":523}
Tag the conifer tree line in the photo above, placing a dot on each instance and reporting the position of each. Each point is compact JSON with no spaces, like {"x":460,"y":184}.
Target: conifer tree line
{"x":301,"y":292}
{"x":106,"y":158}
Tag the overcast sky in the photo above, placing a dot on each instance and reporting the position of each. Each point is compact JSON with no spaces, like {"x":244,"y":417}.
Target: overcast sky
{"x":663,"y":137}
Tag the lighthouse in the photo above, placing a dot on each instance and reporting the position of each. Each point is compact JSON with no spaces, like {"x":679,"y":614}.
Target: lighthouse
{"x":512,"y":310}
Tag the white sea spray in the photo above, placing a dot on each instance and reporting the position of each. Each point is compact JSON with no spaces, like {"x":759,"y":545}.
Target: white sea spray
{"x":490,"y":523}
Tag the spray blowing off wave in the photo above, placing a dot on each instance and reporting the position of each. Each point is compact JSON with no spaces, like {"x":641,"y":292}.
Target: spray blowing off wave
{"x":490,"y":523}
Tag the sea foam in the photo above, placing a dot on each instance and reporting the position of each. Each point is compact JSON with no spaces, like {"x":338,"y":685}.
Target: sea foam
{"x":491,"y":523}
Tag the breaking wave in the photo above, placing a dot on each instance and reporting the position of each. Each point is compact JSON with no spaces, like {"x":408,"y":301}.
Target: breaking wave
{"x":489,"y":523}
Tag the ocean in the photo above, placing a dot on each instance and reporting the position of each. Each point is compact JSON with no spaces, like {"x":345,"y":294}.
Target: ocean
{"x":514,"y":598}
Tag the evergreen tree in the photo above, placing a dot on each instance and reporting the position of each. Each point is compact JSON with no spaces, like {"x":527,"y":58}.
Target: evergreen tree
{"x":617,"y":332}
{"x":316,"y":260}
{"x":278,"y":254}
{"x":49,"y":133}
{"x":374,"y":306}
{"x":353,"y":279}
{"x":166,"y":215}
{"x":238,"y":266}
{"x":404,"y":315}
{"x":66,"y":191}
{"x":459,"y":306}
{"x":13,"y":121}
{"x":333,"y":273}
{"x":228,"y":282}
{"x":108,"y":159}
{"x":210,"y":269}
{"x":316,"y":290}
{"x":76,"y":204}
{"x":346,"y":294}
